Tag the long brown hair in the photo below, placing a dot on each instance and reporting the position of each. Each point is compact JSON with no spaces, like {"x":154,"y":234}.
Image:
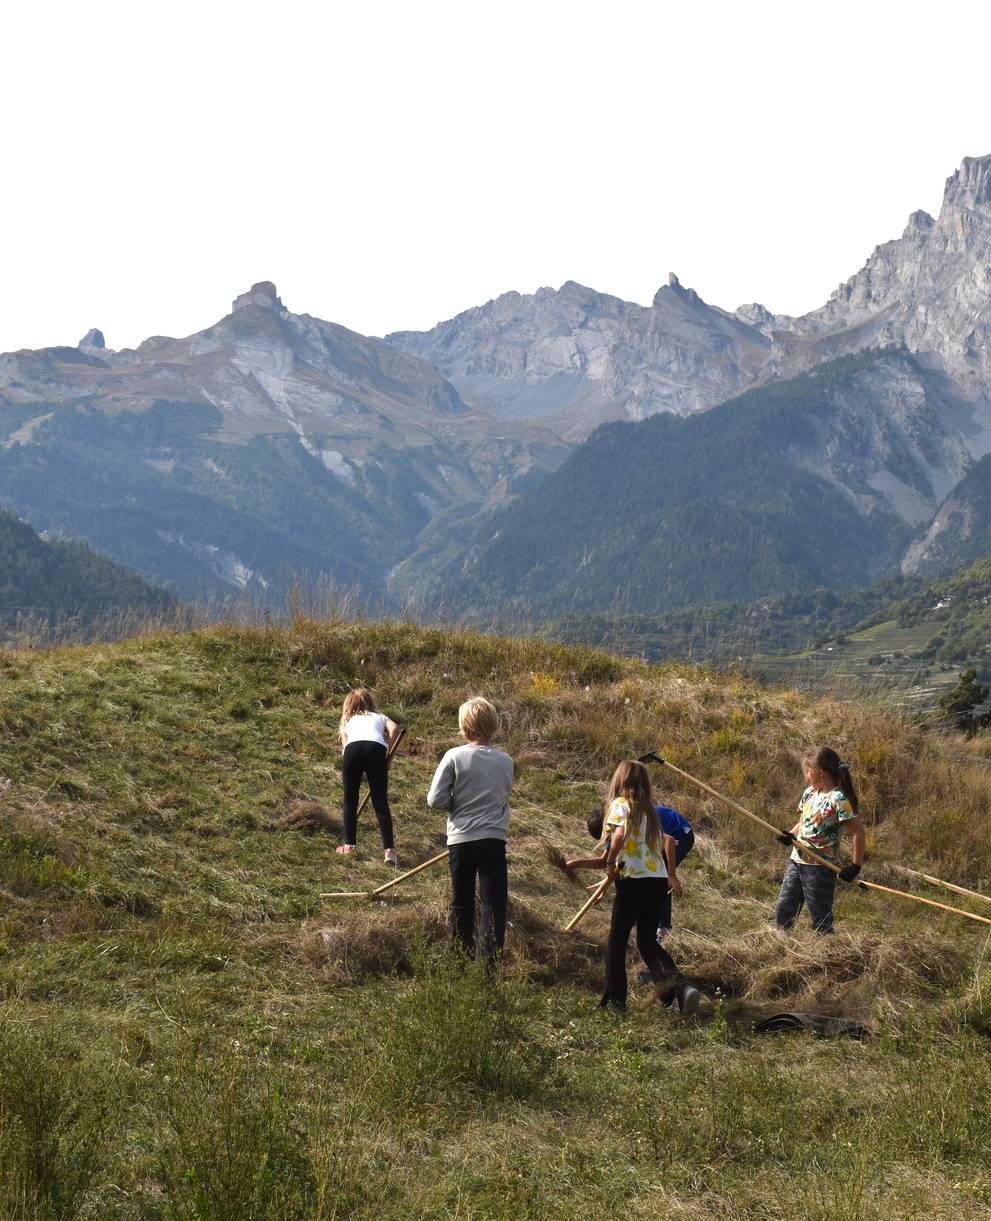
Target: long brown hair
{"x":631,"y":780}
{"x":356,"y":701}
{"x":827,"y":760}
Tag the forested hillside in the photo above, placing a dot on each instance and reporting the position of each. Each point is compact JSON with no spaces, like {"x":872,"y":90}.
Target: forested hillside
{"x":769,"y":493}
{"x":725,"y":631}
{"x":61,"y":583}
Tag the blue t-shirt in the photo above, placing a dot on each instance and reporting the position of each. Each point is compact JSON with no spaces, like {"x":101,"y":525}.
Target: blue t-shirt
{"x":672,"y":823}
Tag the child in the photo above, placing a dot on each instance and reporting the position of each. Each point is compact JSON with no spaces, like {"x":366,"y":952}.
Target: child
{"x":828,"y":804}
{"x":366,"y":738}
{"x":635,"y":859}
{"x":678,"y":837}
{"x":472,"y":782}
{"x":679,"y":830}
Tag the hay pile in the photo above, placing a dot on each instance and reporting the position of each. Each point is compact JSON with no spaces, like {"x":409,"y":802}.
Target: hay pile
{"x":309,"y":817}
{"x":373,"y":939}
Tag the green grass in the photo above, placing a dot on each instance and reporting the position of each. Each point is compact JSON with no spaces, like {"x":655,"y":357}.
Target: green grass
{"x":187,"y":1031}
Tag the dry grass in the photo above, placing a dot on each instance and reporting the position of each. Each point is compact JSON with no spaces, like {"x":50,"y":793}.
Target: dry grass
{"x":309,"y":817}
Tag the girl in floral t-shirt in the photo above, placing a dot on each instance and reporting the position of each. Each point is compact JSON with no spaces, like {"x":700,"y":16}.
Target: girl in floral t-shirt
{"x":828,"y":804}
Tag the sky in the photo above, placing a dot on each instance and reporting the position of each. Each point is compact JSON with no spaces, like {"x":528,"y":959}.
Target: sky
{"x":388,"y":165}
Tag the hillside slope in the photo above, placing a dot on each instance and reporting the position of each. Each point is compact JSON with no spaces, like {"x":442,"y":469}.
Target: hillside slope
{"x":210,"y":1039}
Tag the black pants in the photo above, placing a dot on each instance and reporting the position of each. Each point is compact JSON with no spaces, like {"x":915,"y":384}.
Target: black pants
{"x":366,"y":759}
{"x":486,"y":860}
{"x":811,"y":884}
{"x":637,"y":903}
{"x":682,"y":848}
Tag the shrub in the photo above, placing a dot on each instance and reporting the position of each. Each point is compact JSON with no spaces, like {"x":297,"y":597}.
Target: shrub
{"x":56,"y":1120}
{"x":235,"y":1150}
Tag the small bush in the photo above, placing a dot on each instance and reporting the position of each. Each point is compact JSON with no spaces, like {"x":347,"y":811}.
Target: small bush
{"x":236,"y":1150}
{"x":57,"y":1117}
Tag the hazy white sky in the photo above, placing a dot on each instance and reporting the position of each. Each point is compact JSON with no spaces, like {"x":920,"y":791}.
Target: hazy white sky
{"x":390,"y":164}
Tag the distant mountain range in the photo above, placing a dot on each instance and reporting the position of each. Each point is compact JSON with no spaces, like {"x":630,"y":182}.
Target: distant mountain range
{"x":461,"y":469}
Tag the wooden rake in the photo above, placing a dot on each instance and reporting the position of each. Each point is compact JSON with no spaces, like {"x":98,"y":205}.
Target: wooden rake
{"x":589,"y":903}
{"x":959,"y":890}
{"x":372,"y":894}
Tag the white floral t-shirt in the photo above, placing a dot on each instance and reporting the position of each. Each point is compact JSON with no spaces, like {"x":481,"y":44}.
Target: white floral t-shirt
{"x":635,"y":860}
{"x":821,"y":816}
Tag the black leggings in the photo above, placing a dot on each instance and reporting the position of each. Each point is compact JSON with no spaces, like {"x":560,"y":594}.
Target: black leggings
{"x":637,"y":902}
{"x":366,"y":759}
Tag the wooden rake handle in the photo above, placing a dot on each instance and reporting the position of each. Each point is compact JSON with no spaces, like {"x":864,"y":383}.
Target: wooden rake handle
{"x":391,"y":752}
{"x":958,"y":890}
{"x":411,"y":873}
{"x":370,"y":894}
{"x":596,"y":895}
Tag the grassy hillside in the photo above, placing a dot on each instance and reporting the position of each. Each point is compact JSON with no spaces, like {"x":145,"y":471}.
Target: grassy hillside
{"x":188,"y":1031}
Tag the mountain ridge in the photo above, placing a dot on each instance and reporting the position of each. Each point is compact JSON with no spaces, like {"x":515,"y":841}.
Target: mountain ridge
{"x":283,"y":443}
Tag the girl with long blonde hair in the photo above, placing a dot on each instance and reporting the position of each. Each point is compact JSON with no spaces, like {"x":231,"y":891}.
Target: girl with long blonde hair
{"x":637,"y":859}
{"x":366,"y":738}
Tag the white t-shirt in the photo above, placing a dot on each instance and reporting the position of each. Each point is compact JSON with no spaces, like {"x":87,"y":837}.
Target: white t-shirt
{"x":365,"y":727}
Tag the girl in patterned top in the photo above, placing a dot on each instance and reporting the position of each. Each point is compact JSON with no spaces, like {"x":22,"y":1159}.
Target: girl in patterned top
{"x":827,"y":806}
{"x":636,"y":861}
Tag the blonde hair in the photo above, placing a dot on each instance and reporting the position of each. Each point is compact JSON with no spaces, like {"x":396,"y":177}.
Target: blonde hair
{"x":356,"y":701}
{"x":631,"y":781}
{"x":477,"y":718}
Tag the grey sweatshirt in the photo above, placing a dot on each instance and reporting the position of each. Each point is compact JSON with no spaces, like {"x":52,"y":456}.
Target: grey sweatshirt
{"x":472,"y":783}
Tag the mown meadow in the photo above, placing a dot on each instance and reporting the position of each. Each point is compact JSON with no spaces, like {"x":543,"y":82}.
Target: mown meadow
{"x":188,"y":1031}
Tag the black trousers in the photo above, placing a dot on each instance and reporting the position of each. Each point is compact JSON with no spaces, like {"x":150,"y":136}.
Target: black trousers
{"x":637,"y":904}
{"x":682,"y":847}
{"x":814,"y":885}
{"x":366,"y":759}
{"x":484,"y":859}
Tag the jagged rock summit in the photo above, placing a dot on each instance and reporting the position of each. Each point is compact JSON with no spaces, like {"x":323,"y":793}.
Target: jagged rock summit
{"x":264,"y":293}
{"x":92,"y":341}
{"x":574,"y":358}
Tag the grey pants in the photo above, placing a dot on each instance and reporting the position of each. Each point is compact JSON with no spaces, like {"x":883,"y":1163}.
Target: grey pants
{"x":811,"y":884}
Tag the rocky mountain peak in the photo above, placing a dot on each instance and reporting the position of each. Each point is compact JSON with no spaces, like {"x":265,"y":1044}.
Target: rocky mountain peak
{"x":675,"y":288}
{"x":920,"y":225}
{"x":264,"y":293}
{"x":92,"y":341}
{"x":970,"y":187}
{"x":758,"y":316}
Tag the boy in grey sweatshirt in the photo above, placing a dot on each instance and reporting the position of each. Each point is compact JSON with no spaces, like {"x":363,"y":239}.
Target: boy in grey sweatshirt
{"x":472,"y":783}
